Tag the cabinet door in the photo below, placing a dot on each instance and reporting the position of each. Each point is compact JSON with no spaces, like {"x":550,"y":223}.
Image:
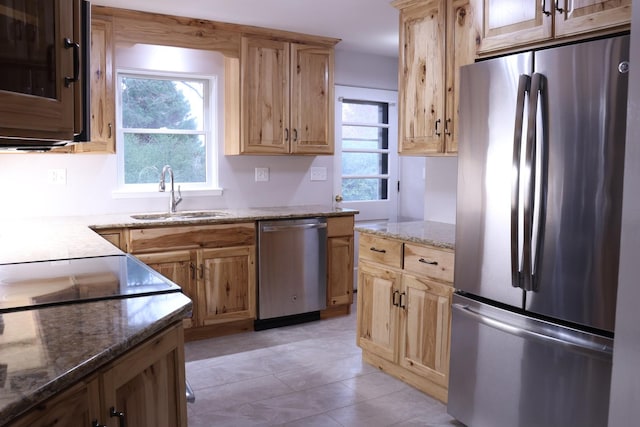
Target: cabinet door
{"x":421,"y":74}
{"x":340,"y":270}
{"x":377,"y":318}
{"x":102,"y":89}
{"x":508,"y":23}
{"x":35,"y":101}
{"x":264,"y":96}
{"x":179,"y":267}
{"x":78,"y":406}
{"x":426,"y":319}
{"x":147,"y":386}
{"x":462,"y":32}
{"x":227,"y":284}
{"x":311,"y":100}
{"x":582,"y":16}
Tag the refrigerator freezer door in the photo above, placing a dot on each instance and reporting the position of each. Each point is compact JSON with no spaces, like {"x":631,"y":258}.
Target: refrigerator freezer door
{"x":489,"y":95}
{"x":510,"y":370}
{"x":586,"y":98}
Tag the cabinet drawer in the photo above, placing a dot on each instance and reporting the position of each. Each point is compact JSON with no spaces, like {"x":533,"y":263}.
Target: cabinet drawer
{"x":381,"y":250}
{"x":340,"y":226}
{"x":435,"y":263}
{"x":142,"y":240}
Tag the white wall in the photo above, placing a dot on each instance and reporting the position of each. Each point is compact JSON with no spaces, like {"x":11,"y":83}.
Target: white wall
{"x":91,"y":178}
{"x":440,"y":189}
{"x":364,"y":70}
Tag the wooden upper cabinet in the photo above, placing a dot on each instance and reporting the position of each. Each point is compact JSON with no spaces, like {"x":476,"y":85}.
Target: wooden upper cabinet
{"x":508,"y":24}
{"x":436,"y":38}
{"x":102,"y":95}
{"x":102,"y":88}
{"x":286,"y":98}
{"x":35,"y":99}
{"x":265,"y":96}
{"x":311,"y":99}
{"x":581,"y":16}
{"x":422,"y":78}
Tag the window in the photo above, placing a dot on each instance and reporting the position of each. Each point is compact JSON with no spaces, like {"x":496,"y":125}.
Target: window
{"x":166,"y":109}
{"x":365,"y":150}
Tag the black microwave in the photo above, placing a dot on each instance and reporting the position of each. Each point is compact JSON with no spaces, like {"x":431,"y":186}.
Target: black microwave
{"x":44,"y":73}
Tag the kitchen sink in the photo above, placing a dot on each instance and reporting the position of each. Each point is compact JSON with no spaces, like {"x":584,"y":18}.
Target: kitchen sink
{"x":179,"y":216}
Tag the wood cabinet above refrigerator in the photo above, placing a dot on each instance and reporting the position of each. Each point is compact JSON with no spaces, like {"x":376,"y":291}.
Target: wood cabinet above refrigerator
{"x":436,"y":38}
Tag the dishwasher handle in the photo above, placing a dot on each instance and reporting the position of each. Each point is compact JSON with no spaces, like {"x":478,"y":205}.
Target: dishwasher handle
{"x":272,"y":228}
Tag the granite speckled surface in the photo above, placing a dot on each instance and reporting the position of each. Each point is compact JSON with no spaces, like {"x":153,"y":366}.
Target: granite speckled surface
{"x":43,"y":351}
{"x":47,"y":238}
{"x":431,"y":233}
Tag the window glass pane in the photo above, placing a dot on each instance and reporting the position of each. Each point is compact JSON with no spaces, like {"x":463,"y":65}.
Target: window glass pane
{"x":146,"y":154}
{"x":356,"y":189}
{"x":364,"y":112}
{"x":149,"y":103}
{"x":364,"y":163}
{"x":365,"y":138}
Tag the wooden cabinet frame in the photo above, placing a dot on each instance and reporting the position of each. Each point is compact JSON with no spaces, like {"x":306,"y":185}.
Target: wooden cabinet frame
{"x":404,"y":317}
{"x":533,"y":23}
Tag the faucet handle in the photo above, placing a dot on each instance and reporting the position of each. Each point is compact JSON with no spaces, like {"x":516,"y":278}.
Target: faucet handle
{"x":179,"y":199}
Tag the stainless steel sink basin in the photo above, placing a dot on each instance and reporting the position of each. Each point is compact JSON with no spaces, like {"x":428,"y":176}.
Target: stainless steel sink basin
{"x":179,"y":216}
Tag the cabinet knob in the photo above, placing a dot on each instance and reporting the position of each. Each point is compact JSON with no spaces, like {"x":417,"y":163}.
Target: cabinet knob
{"x":339,"y":198}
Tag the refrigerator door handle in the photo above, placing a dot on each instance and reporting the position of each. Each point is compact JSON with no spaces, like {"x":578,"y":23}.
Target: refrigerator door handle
{"x":537,"y":331}
{"x":530,"y":184}
{"x":536,"y":166}
{"x":524,"y":86}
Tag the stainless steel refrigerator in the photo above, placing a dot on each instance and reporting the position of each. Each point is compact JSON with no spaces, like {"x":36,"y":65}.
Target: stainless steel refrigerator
{"x":540,"y":164}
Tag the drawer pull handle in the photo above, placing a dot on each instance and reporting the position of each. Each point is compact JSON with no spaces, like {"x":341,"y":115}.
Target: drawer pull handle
{"x":402,"y":304}
{"x":424,"y":261}
{"x":374,"y":249}
{"x":120,"y":415}
{"x":394,"y":299}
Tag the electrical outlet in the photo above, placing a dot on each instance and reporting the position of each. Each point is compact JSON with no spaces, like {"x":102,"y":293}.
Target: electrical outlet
{"x":58,"y":176}
{"x":318,"y":174}
{"x":262,"y":174}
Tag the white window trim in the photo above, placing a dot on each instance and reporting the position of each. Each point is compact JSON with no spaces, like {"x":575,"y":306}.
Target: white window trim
{"x":211,"y":186}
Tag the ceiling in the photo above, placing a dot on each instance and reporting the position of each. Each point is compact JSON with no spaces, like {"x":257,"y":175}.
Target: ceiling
{"x":369,"y":26}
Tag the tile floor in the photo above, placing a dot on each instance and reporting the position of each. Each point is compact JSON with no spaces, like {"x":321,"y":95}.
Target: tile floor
{"x":303,"y":375}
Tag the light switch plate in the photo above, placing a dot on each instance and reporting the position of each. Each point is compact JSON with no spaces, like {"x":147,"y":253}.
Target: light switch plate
{"x":318,"y":173}
{"x":57,"y":176}
{"x":262,"y":174}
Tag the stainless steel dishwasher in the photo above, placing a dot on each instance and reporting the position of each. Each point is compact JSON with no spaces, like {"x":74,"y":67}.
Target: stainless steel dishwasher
{"x":292,"y":271}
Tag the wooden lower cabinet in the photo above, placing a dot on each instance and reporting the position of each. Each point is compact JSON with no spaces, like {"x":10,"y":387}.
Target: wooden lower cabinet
{"x":404,"y":318}
{"x":425,"y":313}
{"x":144,"y":387}
{"x":215,"y":266}
{"x":340,"y":262}
{"x":227,"y":286}
{"x":377,"y":322}
{"x":180,"y":268}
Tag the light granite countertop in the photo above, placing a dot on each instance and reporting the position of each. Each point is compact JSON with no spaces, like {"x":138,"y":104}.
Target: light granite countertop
{"x":438,"y":234}
{"x":49,"y":238}
{"x":45,"y":350}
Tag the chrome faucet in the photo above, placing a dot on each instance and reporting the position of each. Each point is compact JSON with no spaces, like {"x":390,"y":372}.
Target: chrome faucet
{"x":173,"y":202}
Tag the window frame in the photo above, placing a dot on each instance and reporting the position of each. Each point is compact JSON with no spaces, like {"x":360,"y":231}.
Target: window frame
{"x":209,"y":131}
